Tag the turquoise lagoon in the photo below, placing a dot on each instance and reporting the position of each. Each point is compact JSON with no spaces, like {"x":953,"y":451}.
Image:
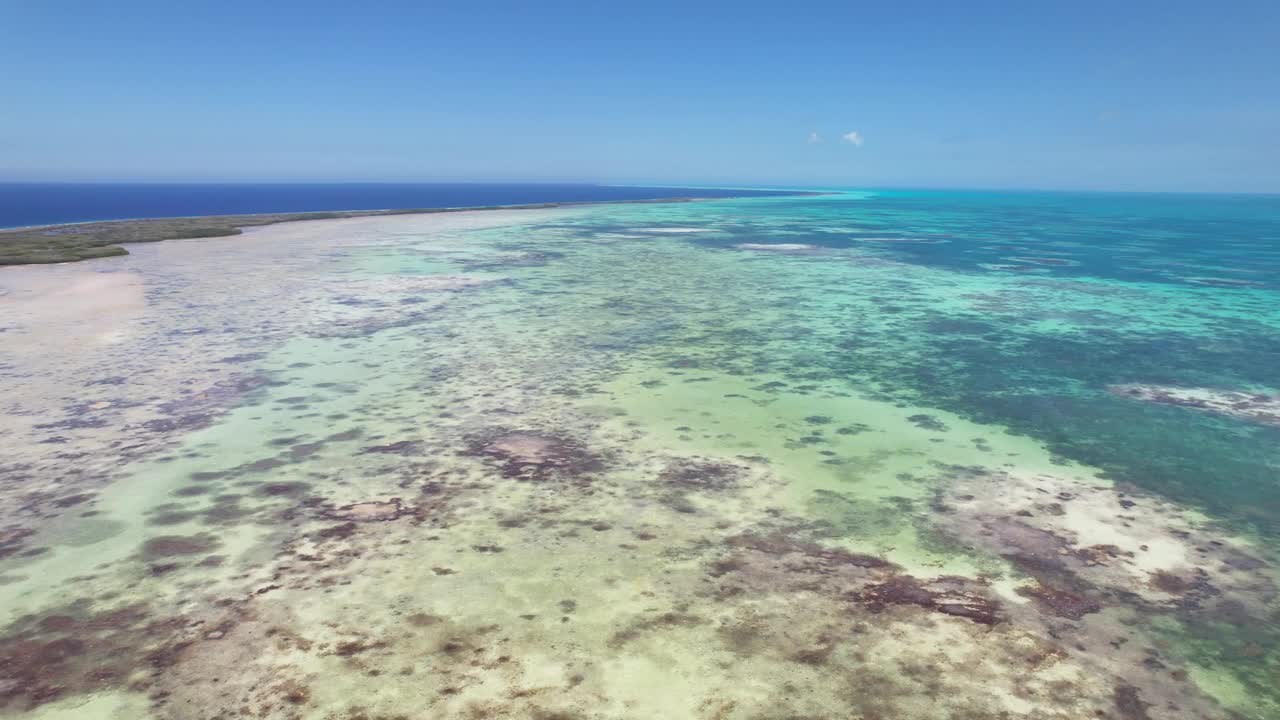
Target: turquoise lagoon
{"x":858,"y":455}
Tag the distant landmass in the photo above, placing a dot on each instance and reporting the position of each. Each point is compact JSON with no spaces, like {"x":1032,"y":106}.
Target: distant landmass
{"x":24,"y":204}
{"x":72,"y":240}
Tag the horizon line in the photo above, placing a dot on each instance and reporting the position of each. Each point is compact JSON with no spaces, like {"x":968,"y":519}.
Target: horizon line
{"x":654,"y":184}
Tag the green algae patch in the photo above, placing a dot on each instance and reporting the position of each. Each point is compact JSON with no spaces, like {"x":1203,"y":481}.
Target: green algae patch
{"x":867,"y":488}
{"x":1234,"y":662}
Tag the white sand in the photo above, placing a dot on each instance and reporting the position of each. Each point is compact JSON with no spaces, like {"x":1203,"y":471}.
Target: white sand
{"x":673,"y":230}
{"x":776,"y":247}
{"x":1252,"y":407}
{"x":70,"y":309}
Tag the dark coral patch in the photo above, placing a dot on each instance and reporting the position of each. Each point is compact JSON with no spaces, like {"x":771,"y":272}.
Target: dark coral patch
{"x":645,"y":625}
{"x":1129,"y":703}
{"x":853,"y":429}
{"x":192,"y":491}
{"x":13,"y":539}
{"x":264,"y":465}
{"x":75,"y":651}
{"x":956,"y":596}
{"x":337,"y":532}
{"x":304,"y":450}
{"x":371,"y":511}
{"x":243,"y":358}
{"x":1061,"y":602}
{"x":421,"y":619}
{"x":403,"y":447}
{"x":928,"y":422}
{"x":288,"y":489}
{"x":200,"y":409}
{"x":225,"y":510}
{"x":180,"y":423}
{"x":537,"y":456}
{"x":700,"y":475}
{"x":72,"y":500}
{"x":173,"y":517}
{"x":345,"y":435}
{"x":823,"y":557}
{"x":166,"y":546}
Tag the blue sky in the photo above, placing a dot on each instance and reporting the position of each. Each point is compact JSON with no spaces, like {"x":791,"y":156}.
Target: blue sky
{"x":1118,"y":95}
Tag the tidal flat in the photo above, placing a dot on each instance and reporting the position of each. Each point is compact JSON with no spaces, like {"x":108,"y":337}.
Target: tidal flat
{"x":857,"y":455}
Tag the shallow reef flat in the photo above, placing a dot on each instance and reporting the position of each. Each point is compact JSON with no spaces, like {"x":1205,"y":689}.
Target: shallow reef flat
{"x":679,"y":461}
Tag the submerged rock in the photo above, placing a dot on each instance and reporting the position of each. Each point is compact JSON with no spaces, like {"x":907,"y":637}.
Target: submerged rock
{"x":74,"y":650}
{"x":957,"y":596}
{"x":1086,"y":550}
{"x":177,"y":545}
{"x":823,"y":556}
{"x":704,"y":475}
{"x":537,"y":456}
{"x":12,"y":540}
{"x":370,"y":511}
{"x":1063,"y":603}
{"x":1251,"y":407}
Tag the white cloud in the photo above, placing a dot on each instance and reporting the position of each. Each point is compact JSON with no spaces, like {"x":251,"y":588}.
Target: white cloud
{"x":853,"y":138}
{"x":814,"y":138}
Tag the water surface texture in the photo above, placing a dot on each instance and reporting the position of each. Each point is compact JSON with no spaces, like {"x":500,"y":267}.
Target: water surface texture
{"x":864,"y":455}
{"x":23,"y":204}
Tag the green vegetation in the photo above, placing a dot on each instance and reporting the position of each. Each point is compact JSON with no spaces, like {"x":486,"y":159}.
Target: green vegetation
{"x":83,"y":241}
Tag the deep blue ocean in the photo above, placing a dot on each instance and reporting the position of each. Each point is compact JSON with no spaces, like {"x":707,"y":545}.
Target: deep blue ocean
{"x":49,"y":203}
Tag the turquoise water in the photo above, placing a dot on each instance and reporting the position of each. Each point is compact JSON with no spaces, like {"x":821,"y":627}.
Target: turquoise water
{"x":864,"y":455}
{"x":1161,"y":289}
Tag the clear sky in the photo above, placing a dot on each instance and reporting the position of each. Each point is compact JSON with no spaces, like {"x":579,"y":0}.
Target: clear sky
{"x":1123,"y":94}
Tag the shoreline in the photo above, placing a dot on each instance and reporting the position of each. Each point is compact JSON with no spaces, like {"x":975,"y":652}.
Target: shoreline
{"x":72,"y":242}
